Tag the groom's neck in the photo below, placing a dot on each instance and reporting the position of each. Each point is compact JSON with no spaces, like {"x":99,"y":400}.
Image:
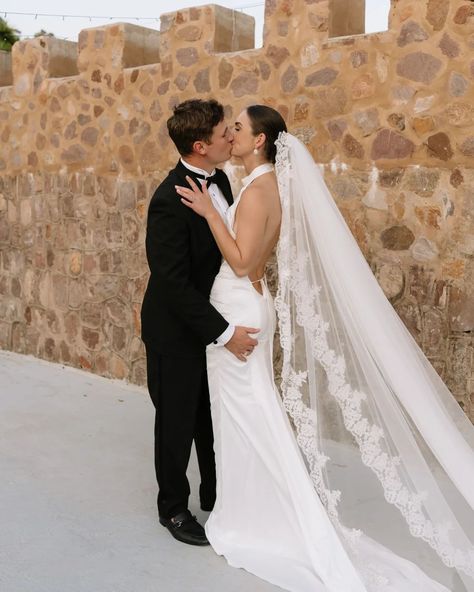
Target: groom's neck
{"x":199,"y":162}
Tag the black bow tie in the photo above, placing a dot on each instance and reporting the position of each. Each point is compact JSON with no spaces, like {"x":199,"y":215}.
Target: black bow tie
{"x":209,"y":180}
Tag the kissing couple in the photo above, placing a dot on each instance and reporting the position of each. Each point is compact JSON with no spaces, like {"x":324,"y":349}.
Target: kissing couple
{"x":356,"y":472}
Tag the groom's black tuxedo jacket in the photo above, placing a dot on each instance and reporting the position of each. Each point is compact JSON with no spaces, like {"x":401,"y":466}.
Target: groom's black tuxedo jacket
{"x":183,"y":257}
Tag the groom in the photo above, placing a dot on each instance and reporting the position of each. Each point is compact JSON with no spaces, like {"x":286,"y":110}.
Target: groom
{"x":178,"y":320}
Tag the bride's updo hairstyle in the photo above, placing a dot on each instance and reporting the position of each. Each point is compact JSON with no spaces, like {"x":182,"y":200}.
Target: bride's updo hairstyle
{"x":265,"y":120}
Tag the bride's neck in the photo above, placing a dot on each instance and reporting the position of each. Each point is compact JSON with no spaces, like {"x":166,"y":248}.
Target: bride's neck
{"x":252,"y":161}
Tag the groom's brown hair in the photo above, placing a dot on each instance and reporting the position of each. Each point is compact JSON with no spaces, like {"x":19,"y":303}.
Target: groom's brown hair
{"x":194,"y":120}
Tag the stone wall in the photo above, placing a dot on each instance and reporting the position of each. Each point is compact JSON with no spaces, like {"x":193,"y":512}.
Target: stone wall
{"x":83,"y":129}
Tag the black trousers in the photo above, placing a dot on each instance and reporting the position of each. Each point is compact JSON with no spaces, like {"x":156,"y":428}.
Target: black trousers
{"x":180,"y":393}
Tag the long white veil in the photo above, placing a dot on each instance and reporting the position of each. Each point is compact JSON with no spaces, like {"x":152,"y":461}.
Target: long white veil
{"x":388,"y":449}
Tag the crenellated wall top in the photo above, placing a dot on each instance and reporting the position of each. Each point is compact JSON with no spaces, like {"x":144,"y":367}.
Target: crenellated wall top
{"x":404,"y":94}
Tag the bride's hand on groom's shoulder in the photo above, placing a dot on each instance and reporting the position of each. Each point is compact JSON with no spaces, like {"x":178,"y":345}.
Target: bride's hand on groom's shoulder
{"x":197,"y":199}
{"x":242,"y":344}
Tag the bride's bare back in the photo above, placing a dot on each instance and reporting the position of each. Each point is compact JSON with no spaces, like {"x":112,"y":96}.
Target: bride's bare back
{"x":257,"y":224}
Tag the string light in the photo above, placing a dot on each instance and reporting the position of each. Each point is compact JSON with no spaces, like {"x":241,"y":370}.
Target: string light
{"x":82,"y":16}
{"x":33,"y":37}
{"x":90,"y":18}
{"x":108,"y":17}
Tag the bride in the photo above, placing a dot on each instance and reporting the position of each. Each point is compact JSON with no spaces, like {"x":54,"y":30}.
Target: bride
{"x":358,"y":476}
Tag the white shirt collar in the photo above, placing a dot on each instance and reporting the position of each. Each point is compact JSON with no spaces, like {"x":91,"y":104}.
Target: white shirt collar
{"x":196,"y":170}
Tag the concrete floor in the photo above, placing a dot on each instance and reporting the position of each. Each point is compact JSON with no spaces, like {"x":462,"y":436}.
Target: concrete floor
{"x":77,"y":491}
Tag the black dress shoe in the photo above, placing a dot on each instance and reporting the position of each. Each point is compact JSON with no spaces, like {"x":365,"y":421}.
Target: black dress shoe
{"x":185,"y":528}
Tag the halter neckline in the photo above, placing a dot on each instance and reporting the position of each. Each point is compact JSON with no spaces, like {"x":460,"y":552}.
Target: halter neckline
{"x":257,"y":172}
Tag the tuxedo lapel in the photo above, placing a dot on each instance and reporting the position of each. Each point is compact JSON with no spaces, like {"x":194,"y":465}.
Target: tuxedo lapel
{"x":182,"y":172}
{"x":225,"y":186}
{"x":199,"y":224}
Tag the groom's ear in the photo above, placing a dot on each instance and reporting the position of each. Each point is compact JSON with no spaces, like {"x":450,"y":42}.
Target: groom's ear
{"x":199,"y":147}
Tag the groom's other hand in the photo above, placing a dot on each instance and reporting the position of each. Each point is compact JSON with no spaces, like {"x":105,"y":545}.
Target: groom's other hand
{"x":242,"y":344}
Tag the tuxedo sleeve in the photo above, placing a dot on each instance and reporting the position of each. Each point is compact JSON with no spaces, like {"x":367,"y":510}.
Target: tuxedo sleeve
{"x":169,"y":258}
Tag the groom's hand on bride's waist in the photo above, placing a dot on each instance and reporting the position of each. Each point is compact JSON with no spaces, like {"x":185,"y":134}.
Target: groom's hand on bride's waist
{"x":242,"y":343}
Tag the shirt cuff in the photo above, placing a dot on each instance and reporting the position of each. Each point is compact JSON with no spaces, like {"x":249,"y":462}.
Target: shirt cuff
{"x":226,"y":336}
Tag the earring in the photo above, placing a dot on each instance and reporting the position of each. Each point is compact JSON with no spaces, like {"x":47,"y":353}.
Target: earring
{"x":255,"y":151}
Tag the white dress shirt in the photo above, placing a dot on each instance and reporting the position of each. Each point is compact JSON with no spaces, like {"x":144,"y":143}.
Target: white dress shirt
{"x":221,"y":205}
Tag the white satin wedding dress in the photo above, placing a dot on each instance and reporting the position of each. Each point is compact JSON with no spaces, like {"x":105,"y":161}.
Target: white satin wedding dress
{"x":278,"y":513}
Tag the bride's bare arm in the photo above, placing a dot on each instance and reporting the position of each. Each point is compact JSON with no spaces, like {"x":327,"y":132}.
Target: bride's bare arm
{"x":245,"y":251}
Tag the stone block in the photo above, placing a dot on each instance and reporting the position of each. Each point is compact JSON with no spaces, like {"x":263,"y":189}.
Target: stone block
{"x":359,"y":58}
{"x":436,"y":13}
{"x":367,"y":121}
{"x":409,"y":312}
{"x":119,"y":339}
{"x":118,"y":368}
{"x":117,"y":312}
{"x":419,"y":67}
{"x":5,"y":335}
{"x":424,"y":250}
{"x":467,"y":147}
{"x":209,"y":28}
{"x":138,"y":374}
{"x":439,"y":146}
{"x":460,"y":114}
{"x":346,"y":18}
{"x":35,"y":60}
{"x":115,"y":47}
{"x":277,"y":55}
{"x":363,"y":87}
{"x":90,"y":338}
{"x":245,"y":84}
{"x":323,"y":77}
{"x":330,"y":101}
{"x":449,"y":46}
{"x":60,"y":287}
{"x":234,"y":30}
{"x":392,"y":280}
{"x":18,"y":343}
{"x":458,"y":84}
{"x":100,"y":288}
{"x":397,"y":238}
{"x":460,"y":362}
{"x":435,"y":332}
{"x":397,"y":121}
{"x":391,"y":145}
{"x":411,"y":32}
{"x":461,"y":310}
{"x":6,"y":74}
{"x":421,"y":180}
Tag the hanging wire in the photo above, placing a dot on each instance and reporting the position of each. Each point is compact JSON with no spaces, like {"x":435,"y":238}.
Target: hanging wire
{"x":98,"y":17}
{"x":63,"y":17}
{"x":34,"y":36}
{"x":82,"y":16}
{"x":108,"y":17}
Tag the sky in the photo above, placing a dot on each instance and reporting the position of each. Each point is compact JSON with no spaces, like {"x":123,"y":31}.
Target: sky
{"x":376,"y":14}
